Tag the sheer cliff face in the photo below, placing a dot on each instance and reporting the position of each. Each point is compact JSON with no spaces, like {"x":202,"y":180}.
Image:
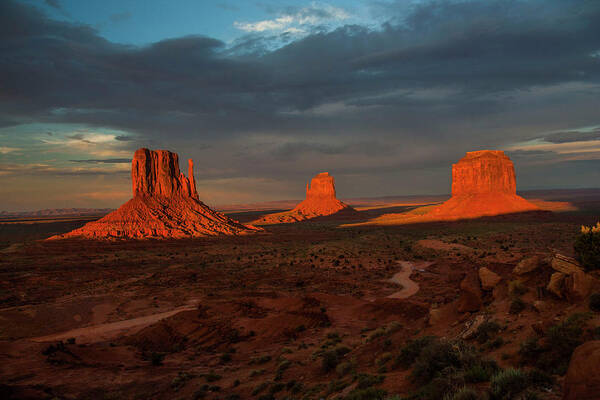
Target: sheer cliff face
{"x":321,"y":186}
{"x":486,"y":171}
{"x":165,"y":205}
{"x":156,"y":172}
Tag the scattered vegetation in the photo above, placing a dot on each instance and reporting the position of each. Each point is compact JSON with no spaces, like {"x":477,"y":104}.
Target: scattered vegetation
{"x":553,"y":353}
{"x":587,"y":247}
{"x":594,"y":302}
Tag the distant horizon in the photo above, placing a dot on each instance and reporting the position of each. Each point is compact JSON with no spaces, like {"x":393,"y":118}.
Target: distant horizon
{"x":221,"y":206}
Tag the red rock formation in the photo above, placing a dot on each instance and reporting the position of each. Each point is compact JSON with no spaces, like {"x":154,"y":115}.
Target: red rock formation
{"x":320,"y":201}
{"x":483,"y":183}
{"x":582,"y":381}
{"x":165,"y":204}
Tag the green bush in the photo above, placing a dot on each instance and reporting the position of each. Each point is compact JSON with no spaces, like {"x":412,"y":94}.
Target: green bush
{"x":486,"y":331}
{"x":587,"y":247}
{"x":554,"y":352}
{"x":595,"y":302}
{"x":516,"y":306}
{"x":464,"y":393}
{"x":366,"y":394}
{"x":507,"y":384}
{"x":411,"y":350}
{"x":436,"y":357}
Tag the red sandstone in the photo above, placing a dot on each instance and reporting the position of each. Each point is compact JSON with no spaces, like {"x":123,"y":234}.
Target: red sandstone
{"x":320,"y":201}
{"x":483,"y":184}
{"x":165,"y":204}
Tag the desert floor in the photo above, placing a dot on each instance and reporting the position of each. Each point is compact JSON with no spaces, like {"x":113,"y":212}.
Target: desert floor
{"x":251,"y":316}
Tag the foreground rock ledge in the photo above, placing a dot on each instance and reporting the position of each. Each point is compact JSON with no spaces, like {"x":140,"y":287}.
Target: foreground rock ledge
{"x":165,"y":205}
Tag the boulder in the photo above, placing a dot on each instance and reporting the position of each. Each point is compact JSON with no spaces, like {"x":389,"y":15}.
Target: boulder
{"x":556,"y":284}
{"x":578,"y":286}
{"x":472,"y":326}
{"x":582,"y":381}
{"x":527,"y":265}
{"x":488,"y":278}
{"x":564,"y":264}
{"x":470,"y":294}
{"x":165,"y":204}
{"x":483,"y":184}
{"x":320,"y":201}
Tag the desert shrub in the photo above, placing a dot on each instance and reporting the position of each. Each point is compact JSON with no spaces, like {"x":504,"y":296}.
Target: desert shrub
{"x":411,"y":350}
{"x":481,"y":372}
{"x":594,"y":302}
{"x":260,"y":360}
{"x":439,"y":356}
{"x":180,"y":380}
{"x":486,"y":331}
{"x":344,"y":368}
{"x":554,"y":353}
{"x":507,"y":384}
{"x":331,"y":358}
{"x":516,"y":306}
{"x":383,"y":359}
{"x":539,"y":378}
{"x":516,"y":288}
{"x":587,"y":247}
{"x":261,"y":387}
{"x":366,"y":394}
{"x":157,"y":358}
{"x":464,"y":393}
{"x":366,"y":380}
{"x":212,"y":377}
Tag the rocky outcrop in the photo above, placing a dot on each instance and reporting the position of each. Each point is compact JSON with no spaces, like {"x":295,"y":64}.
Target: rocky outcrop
{"x":527,"y":265}
{"x":470,"y":294}
{"x":165,"y":204}
{"x":582,"y":381}
{"x":320,"y":201}
{"x":483,"y":184}
{"x":489,"y":279}
{"x":556,"y":284}
{"x":565,"y":264}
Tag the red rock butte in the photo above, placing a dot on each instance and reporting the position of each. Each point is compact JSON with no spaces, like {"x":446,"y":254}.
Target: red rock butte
{"x":483,"y":184}
{"x":165,"y":205}
{"x":320,"y":201}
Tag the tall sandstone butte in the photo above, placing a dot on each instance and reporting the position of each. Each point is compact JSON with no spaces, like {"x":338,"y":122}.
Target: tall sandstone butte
{"x":165,"y":204}
{"x":483,"y":184}
{"x":320,"y":201}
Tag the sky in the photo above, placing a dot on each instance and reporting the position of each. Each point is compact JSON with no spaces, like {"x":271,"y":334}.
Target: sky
{"x":262,"y":95}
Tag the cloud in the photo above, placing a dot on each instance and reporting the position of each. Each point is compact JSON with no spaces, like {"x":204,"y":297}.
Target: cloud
{"x":7,"y":150}
{"x":574,"y":136}
{"x":296,"y":19}
{"x":433,"y":80}
{"x":38,"y":169}
{"x":105,"y":161}
{"x":53,"y":4}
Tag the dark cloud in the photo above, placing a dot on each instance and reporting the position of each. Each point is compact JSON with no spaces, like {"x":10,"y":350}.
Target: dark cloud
{"x":573,"y":136}
{"x":123,"y":138}
{"x":437,"y":79}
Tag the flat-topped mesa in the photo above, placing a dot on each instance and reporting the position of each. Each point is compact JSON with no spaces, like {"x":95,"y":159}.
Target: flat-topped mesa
{"x":483,"y":184}
{"x":156,"y":172}
{"x":165,"y":205}
{"x":320,"y":201}
{"x":484,"y":171}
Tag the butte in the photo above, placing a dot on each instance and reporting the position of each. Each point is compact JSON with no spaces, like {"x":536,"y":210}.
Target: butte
{"x":320,"y":201}
{"x":165,"y":205}
{"x":483,"y":184}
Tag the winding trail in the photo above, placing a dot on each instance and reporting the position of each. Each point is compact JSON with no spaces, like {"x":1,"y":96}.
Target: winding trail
{"x":409,"y":287}
{"x":111,"y":330}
